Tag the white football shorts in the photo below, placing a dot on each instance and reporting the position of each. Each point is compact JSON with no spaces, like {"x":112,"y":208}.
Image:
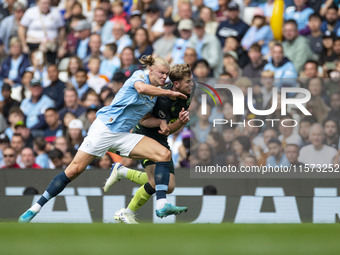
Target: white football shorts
{"x":101,"y":139}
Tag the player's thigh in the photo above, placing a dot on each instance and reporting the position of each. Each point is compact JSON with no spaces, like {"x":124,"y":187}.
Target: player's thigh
{"x":150,"y":149}
{"x":78,"y":164}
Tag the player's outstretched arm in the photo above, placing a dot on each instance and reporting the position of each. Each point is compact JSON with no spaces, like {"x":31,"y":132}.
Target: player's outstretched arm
{"x":147,"y":89}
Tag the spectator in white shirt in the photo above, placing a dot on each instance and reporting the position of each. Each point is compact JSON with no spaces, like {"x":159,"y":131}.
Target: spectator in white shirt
{"x":317,"y":152}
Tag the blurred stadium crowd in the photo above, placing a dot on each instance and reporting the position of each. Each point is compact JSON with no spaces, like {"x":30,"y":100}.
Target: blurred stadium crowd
{"x":63,"y":60}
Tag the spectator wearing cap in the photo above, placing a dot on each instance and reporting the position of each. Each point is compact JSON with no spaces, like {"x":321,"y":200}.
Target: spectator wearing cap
{"x":282,"y":67}
{"x":10,"y":157}
{"x":233,"y":26}
{"x":36,"y":105}
{"x":207,"y":47}
{"x":300,"y":12}
{"x":13,"y":67}
{"x":185,"y":27}
{"x":255,"y":67}
{"x":83,"y":32}
{"x":135,"y":22}
{"x":69,"y":46}
{"x":74,"y":133}
{"x":315,"y":36}
{"x":258,"y":32}
{"x":296,"y":47}
{"x":164,"y":45}
{"x":21,"y":128}
{"x":331,"y":22}
{"x":28,"y":158}
{"x":154,"y":22}
{"x":42,"y":27}
{"x":327,"y":54}
{"x":56,"y":88}
{"x":8,"y":101}
{"x":9,"y":25}
{"x":18,"y":143}
{"x":277,"y":156}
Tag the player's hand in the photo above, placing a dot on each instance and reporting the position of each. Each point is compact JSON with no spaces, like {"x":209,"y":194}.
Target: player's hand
{"x":164,"y":129}
{"x":184,"y":116}
{"x":178,"y":94}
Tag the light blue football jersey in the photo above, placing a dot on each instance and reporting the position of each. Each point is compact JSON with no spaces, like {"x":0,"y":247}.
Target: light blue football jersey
{"x":128,"y":106}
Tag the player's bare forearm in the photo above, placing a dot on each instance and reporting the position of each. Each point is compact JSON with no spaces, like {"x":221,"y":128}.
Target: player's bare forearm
{"x":150,"y":90}
{"x":182,"y":120}
{"x":174,"y":127}
{"x":150,"y":121}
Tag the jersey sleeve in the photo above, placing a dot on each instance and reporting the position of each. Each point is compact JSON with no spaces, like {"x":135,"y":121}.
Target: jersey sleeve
{"x":138,"y":76}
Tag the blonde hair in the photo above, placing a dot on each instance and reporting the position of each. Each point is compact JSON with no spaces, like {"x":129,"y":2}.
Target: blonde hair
{"x":148,"y":61}
{"x":267,"y":74}
{"x":14,"y":40}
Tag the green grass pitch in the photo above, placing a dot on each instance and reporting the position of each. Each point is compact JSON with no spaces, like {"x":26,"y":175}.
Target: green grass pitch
{"x":186,"y":239}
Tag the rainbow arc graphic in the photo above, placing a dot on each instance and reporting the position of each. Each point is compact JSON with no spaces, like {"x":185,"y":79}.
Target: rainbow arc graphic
{"x":209,"y":93}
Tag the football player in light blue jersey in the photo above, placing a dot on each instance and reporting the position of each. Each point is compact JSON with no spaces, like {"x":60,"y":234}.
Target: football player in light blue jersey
{"x":111,"y":132}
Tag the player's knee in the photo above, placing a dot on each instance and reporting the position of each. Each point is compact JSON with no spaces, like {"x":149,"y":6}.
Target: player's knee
{"x":164,"y":155}
{"x":74,"y":170}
